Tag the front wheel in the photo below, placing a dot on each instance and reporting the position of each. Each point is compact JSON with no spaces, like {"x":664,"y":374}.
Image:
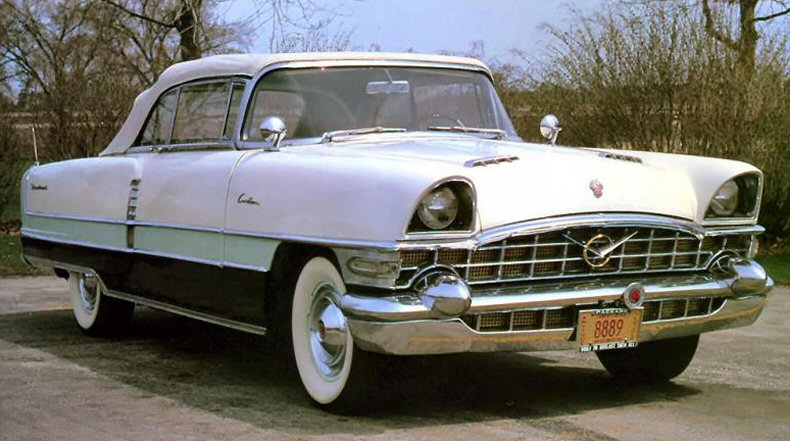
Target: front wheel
{"x":650,"y":362}
{"x":96,"y":313}
{"x":333,"y":371}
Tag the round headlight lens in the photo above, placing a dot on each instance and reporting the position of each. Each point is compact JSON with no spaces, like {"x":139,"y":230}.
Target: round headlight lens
{"x":439,"y":209}
{"x":725,"y":201}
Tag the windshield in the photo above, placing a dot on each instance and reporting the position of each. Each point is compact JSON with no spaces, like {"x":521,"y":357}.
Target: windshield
{"x":319,"y":100}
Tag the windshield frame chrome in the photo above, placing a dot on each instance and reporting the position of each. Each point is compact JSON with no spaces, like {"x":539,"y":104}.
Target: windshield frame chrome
{"x":241,"y":144}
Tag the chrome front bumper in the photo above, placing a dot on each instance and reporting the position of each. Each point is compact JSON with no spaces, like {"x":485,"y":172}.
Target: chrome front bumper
{"x":411,"y":323}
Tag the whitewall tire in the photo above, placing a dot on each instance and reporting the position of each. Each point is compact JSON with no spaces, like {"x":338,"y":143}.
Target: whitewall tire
{"x":96,"y":313}
{"x":323,"y":347}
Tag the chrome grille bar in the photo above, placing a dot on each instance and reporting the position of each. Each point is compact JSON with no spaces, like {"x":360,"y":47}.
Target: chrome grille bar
{"x":550,"y":255}
{"x":565,"y":317}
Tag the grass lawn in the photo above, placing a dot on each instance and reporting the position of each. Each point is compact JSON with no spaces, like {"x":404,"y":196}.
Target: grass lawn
{"x":10,"y":261}
{"x":777,"y":265}
{"x":11,"y":212}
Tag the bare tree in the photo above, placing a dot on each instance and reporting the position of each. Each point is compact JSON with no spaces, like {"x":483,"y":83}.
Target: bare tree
{"x":200,"y":30}
{"x":197,"y":29}
{"x":314,"y":40}
{"x":744,"y":43}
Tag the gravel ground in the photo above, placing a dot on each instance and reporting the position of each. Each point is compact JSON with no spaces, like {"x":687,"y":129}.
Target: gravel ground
{"x":170,"y":378}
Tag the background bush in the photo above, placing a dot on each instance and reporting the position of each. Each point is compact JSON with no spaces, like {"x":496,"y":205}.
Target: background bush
{"x":648,"y":76}
{"x":634,"y":75}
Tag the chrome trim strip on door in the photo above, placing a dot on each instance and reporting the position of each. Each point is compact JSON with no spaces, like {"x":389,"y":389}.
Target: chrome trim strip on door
{"x":486,"y":236}
{"x":101,"y":220}
{"x":45,"y":235}
{"x":36,"y":234}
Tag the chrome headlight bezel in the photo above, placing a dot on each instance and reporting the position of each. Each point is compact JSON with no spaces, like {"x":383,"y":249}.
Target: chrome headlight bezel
{"x":728,"y":205}
{"x":463,"y":221}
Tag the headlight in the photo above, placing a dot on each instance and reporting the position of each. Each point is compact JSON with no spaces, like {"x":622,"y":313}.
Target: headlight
{"x":439,"y":208}
{"x":446,"y":208}
{"x":737,"y":198}
{"x":725,"y":201}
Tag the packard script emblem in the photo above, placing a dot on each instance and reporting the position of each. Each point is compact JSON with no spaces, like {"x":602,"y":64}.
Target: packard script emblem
{"x":596,"y":187}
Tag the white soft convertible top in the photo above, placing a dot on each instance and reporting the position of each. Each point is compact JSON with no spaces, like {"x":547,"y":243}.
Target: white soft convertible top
{"x":248,"y":65}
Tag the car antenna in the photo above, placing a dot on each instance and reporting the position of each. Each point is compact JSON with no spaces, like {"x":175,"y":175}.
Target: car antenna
{"x":35,"y":145}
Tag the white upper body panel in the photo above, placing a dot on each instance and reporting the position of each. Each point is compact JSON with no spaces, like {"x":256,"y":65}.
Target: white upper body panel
{"x":367,"y":189}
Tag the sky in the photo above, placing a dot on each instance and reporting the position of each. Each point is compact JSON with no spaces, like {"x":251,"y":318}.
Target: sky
{"x":441,"y":25}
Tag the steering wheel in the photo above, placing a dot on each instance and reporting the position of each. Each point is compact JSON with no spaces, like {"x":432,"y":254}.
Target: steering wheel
{"x":454,"y":120}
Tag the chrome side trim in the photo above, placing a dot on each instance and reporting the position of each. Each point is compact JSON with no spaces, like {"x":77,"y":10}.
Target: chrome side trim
{"x":36,"y":234}
{"x":46,"y":235}
{"x":313,"y":240}
{"x":100,"y":220}
{"x":208,"y":318}
{"x":459,"y":240}
{"x":176,"y":226}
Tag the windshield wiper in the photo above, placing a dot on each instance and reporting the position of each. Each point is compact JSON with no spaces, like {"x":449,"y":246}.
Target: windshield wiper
{"x":499,"y":134}
{"x":330,"y":136}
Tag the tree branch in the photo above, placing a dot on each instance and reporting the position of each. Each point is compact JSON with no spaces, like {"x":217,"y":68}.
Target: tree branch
{"x":772,"y":16}
{"x":710,"y":27}
{"x":138,"y":15}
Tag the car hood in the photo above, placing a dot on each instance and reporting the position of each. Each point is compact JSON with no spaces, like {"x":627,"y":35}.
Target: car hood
{"x":545,"y":181}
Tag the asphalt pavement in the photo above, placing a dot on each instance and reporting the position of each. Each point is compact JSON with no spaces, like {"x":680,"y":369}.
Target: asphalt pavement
{"x":170,"y":378}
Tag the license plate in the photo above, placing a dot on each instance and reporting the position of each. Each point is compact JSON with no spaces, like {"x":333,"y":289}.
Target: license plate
{"x":610,"y":328}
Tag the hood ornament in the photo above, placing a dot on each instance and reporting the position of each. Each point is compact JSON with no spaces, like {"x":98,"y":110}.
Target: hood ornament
{"x":596,"y":187}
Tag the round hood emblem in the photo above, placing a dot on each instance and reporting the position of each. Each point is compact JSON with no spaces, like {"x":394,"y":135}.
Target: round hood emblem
{"x":596,"y":187}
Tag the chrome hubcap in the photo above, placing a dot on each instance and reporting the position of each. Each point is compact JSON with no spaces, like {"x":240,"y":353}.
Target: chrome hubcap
{"x":89,"y":290}
{"x":327,"y":331}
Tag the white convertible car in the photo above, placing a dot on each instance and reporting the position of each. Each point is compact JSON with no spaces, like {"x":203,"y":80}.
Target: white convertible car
{"x":358,"y":203}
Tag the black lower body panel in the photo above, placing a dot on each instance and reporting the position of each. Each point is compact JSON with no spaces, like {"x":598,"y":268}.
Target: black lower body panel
{"x":230,"y":293}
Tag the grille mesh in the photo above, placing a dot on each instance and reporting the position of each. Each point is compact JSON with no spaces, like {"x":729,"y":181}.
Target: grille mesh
{"x":565,"y":318}
{"x":558,"y":254}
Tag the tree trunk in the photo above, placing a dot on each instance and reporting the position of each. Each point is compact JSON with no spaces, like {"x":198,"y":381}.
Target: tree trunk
{"x":186,"y":23}
{"x":747,"y":43}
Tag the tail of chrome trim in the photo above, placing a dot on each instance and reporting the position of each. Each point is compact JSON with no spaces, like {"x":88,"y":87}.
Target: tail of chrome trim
{"x":239,"y":326}
{"x":208,"y":318}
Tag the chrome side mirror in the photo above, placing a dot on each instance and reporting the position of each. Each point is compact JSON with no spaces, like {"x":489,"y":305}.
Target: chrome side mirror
{"x":550,"y":128}
{"x":273,"y":130}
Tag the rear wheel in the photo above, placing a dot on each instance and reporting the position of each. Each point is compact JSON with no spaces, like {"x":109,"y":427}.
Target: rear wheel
{"x":333,"y":371}
{"x":96,"y":313}
{"x":650,"y":362}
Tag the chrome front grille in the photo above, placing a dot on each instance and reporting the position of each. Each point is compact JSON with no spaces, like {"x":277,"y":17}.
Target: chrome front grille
{"x":552,"y":255}
{"x":565,"y":317}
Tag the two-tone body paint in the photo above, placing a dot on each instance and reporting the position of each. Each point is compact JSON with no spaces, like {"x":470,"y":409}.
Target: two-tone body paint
{"x":210,"y":211}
